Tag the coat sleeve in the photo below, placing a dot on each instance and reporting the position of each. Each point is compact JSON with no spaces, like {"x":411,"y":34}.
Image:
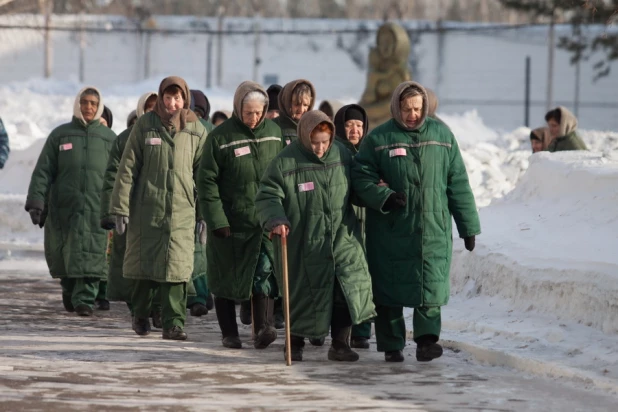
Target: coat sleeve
{"x":208,"y":194}
{"x":4,"y":145}
{"x":366,"y":175}
{"x":461,"y":201}
{"x":196,"y":168}
{"x":44,"y":175}
{"x":270,"y":196}
{"x":128,"y":171}
{"x":110,"y":177}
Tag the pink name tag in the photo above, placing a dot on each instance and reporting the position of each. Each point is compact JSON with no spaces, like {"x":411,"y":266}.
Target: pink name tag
{"x":242,"y":151}
{"x":66,"y":146}
{"x":397,"y":152}
{"x":305,"y":187}
{"x":153,"y":141}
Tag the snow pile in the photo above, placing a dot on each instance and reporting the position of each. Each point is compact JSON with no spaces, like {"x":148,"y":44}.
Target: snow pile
{"x":550,"y":245}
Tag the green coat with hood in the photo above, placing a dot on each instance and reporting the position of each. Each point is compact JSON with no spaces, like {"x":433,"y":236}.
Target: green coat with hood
{"x":284,"y":121}
{"x":68,"y":177}
{"x":360,"y":212}
{"x":155,"y":188}
{"x":312,"y":196}
{"x":118,"y":288}
{"x":409,"y":250}
{"x":234,"y":159}
{"x":568,"y":138}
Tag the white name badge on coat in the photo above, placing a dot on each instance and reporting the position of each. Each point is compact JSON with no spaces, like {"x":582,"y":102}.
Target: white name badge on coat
{"x":397,"y":152}
{"x":306,"y":187}
{"x":66,"y":146}
{"x":153,"y":141}
{"x":242,"y":151}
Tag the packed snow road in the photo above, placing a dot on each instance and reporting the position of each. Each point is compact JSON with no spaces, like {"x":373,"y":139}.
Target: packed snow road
{"x":52,"y":360}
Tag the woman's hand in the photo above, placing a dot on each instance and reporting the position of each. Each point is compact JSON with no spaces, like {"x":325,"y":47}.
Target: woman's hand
{"x":281,"y":230}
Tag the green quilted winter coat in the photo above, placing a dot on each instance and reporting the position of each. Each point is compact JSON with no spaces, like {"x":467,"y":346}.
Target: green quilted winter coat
{"x":234,"y":159}
{"x":155,"y":188}
{"x":409,"y":250}
{"x":312,"y":196}
{"x":288,"y":125}
{"x":69,"y":175}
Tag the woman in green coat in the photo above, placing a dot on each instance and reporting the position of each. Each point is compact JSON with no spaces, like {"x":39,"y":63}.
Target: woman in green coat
{"x":409,"y":234}
{"x":118,"y":287}
{"x":306,"y":195}
{"x":154,"y":195}
{"x":239,"y":253}
{"x":67,"y":182}
{"x":295,"y":99}
{"x":563,"y":131}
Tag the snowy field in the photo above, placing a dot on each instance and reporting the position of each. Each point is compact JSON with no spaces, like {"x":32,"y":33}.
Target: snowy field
{"x":538,"y":294}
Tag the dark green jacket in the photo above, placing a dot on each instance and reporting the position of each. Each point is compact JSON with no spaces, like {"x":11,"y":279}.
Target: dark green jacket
{"x":288,"y":128}
{"x":569,"y":142}
{"x":155,"y":188}
{"x":234,"y":159}
{"x":409,"y":250}
{"x":70,"y":171}
{"x":325,"y":242}
{"x":118,"y":288}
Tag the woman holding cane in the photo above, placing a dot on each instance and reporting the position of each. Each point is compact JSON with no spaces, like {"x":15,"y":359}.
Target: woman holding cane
{"x":305,"y":195}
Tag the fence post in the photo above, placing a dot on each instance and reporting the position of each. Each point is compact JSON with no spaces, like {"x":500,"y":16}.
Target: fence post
{"x":209,"y":62}
{"x":527,"y":94}
{"x":47,"y":40}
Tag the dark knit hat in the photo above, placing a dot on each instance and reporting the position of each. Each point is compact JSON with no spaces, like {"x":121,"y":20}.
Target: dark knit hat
{"x":107,"y":115}
{"x":273,"y":96}
{"x":200,"y":103}
{"x":353,"y":114}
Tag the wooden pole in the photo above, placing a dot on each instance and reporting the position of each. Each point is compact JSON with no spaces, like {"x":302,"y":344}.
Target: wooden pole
{"x":286,"y":300}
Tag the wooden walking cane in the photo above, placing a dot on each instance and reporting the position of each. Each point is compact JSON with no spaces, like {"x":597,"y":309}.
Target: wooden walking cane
{"x":286,"y":299}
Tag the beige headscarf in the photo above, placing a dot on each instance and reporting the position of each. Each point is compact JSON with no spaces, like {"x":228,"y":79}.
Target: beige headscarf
{"x":542,"y":133}
{"x":242,"y":91}
{"x":183,"y":116}
{"x":396,"y":109}
{"x":568,"y":121}
{"x":141,"y":103}
{"x":432,"y":102}
{"x":308,"y":122}
{"x":285,"y":96}
{"x":77,"y":112}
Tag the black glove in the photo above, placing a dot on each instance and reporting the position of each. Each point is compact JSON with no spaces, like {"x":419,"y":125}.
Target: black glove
{"x":223,"y":232}
{"x":470,"y":242}
{"x":108,"y":223}
{"x":395,"y":201}
{"x":35,"y":216}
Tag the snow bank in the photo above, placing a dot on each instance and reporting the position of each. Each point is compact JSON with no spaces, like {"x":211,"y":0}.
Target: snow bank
{"x":550,"y":245}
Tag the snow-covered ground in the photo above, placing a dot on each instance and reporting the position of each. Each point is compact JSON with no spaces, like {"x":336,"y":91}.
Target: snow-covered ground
{"x":539,"y":292}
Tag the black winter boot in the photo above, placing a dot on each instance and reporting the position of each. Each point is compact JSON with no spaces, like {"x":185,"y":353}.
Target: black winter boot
{"x":359,"y":342}
{"x":66,"y":302}
{"x":340,"y":349}
{"x":210,"y":304}
{"x":102,"y":304}
{"x":157,"y":323}
{"x":427,"y":348}
{"x":394,"y":356}
{"x":317,"y":341}
{"x":141,"y":326}
{"x":83,"y":310}
{"x":298,"y":343}
{"x":176,"y":333}
{"x":226,"y":316}
{"x":265,"y":333}
{"x":245,"y":312}
{"x":198,"y":309}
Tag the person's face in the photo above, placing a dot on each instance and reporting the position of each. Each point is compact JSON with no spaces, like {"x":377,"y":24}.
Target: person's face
{"x":354,"y":131}
{"x":150,"y":104}
{"x":272,"y":114}
{"x":173,"y":102}
{"x":537,"y":146}
{"x":300,"y":108}
{"x":88,"y":105}
{"x":252,"y":113}
{"x":412,"y":111}
{"x":554,"y":128}
{"x":320,"y":142}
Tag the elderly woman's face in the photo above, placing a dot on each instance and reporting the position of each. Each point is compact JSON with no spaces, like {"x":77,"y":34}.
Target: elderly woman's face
{"x":252,"y":113}
{"x":412,"y":110}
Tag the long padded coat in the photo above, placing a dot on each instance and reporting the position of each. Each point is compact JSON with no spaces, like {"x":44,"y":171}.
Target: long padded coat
{"x":312,"y":196}
{"x":409,"y":250}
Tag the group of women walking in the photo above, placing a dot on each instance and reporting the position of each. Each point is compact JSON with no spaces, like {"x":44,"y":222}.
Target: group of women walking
{"x":367,"y":217}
